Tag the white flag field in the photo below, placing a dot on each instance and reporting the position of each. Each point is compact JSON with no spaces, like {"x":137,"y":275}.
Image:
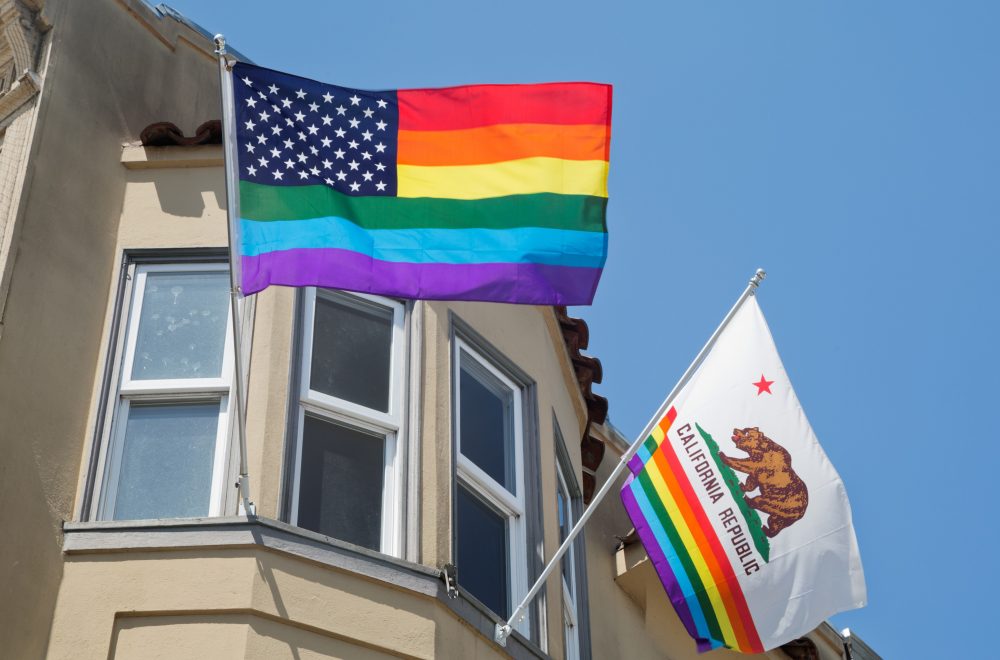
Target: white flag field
{"x":741,"y":512}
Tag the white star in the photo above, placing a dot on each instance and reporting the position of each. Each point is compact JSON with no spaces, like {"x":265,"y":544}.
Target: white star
{"x":264,"y":116}
{"x":299,"y":116}
{"x":301,"y":94}
{"x":381,"y":125}
{"x":354,"y":123}
{"x":327,"y":164}
{"x":314,"y":171}
{"x":313,"y":150}
{"x":301,"y":157}
{"x":339,"y":153}
{"x":352,"y":144}
{"x":289,"y":164}
{"x":368,"y":113}
{"x":355,"y":186}
{"x":340,"y":132}
{"x":341,"y":175}
{"x":326,"y":119}
{"x":379,"y":148}
{"x":382,"y":103}
{"x":326,"y":141}
{"x":302,"y":136}
{"x":355,"y":100}
{"x":289,"y":122}
{"x":341,"y":110}
{"x":277,"y":175}
{"x":327,"y":97}
{"x":329,"y":181}
{"x":261,"y":139}
{"x":250,"y":147}
{"x":288,"y":143}
{"x":252,"y":102}
{"x":275,"y":130}
{"x":262,"y":95}
{"x":353,"y":165}
{"x":247,"y":81}
{"x":379,"y":166}
{"x":312,"y":129}
{"x":275,"y":153}
{"x":286,"y":103}
{"x":368,"y":176}
{"x":303,"y":174}
{"x":366,"y":156}
{"x":252,"y":171}
{"x":275,"y":108}
{"x":262,"y":161}
{"x":380,"y":186}
{"x":273,"y":89}
{"x":367,"y":135}
{"x":313,"y":107}
{"x":249,"y":124}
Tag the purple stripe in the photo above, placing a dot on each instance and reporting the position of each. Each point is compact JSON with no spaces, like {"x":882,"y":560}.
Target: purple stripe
{"x":661,"y":564}
{"x":531,"y":284}
{"x":635,"y":464}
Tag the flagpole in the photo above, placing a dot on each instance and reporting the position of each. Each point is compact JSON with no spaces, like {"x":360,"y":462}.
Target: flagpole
{"x":232,"y":212}
{"x":503,"y":630}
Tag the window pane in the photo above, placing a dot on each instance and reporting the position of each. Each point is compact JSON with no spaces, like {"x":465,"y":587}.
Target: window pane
{"x":352,"y":344}
{"x":481,"y":555}
{"x":167,"y":458}
{"x":182,"y":326}
{"x":340,"y":491}
{"x":565,"y":526}
{"x":486,"y":420}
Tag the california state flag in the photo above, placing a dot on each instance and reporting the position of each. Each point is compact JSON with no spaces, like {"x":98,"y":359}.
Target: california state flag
{"x":741,"y":513}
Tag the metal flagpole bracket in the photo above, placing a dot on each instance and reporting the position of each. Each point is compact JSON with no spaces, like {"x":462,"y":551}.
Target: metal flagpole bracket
{"x":757,"y":278}
{"x":501,"y":633}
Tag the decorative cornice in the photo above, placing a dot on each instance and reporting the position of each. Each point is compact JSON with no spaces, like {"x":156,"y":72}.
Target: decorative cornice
{"x":23,"y":90}
{"x":588,"y":371}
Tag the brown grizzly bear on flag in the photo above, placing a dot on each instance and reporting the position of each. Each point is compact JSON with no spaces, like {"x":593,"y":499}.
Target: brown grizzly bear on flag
{"x":783,"y":495}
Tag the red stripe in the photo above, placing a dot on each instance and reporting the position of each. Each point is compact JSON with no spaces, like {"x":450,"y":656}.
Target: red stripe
{"x":470,"y":106}
{"x":746,"y":620}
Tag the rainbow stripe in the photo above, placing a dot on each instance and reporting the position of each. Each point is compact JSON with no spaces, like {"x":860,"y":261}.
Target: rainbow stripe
{"x":684,"y":547}
{"x":479,"y":192}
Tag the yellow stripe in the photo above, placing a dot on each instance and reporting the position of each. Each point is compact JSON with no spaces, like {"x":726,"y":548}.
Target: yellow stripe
{"x":692,"y":546}
{"x":657,"y":435}
{"x":525,"y":176}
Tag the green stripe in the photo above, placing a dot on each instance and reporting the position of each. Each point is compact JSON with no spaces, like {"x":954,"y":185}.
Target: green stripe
{"x":651,"y":445}
{"x":754,"y":524}
{"x":682,"y":554}
{"x":548,"y":210}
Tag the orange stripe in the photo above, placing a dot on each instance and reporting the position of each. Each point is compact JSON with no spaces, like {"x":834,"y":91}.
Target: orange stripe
{"x":495,"y":144}
{"x":704,"y":547}
{"x":709,"y":544}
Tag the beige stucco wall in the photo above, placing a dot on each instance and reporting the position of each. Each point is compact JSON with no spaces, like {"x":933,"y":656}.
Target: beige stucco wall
{"x":107,"y":77}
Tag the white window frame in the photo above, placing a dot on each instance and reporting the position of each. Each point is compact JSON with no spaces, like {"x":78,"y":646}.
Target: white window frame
{"x":481,"y":485}
{"x":571,"y":618}
{"x":389,"y":424}
{"x":166,"y":391}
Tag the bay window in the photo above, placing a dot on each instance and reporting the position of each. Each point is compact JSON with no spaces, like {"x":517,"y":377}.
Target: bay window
{"x":166,"y":452}
{"x":347,"y":468}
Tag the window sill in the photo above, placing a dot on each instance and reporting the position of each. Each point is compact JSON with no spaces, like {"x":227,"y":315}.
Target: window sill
{"x":105,"y":537}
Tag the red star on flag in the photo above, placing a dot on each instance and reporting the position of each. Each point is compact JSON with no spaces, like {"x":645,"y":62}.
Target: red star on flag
{"x":763,"y":385}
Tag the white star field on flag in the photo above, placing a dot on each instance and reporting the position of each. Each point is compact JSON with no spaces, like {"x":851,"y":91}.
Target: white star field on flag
{"x":309,"y":133}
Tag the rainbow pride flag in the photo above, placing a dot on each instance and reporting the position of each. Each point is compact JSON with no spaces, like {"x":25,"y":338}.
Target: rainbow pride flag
{"x":482,"y":192}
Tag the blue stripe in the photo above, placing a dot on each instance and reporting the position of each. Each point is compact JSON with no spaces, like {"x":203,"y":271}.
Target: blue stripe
{"x":554,"y":247}
{"x":671,"y":554}
{"x":643,"y":454}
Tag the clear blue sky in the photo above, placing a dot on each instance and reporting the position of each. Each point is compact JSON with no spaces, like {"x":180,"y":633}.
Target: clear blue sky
{"x":850,"y":148}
